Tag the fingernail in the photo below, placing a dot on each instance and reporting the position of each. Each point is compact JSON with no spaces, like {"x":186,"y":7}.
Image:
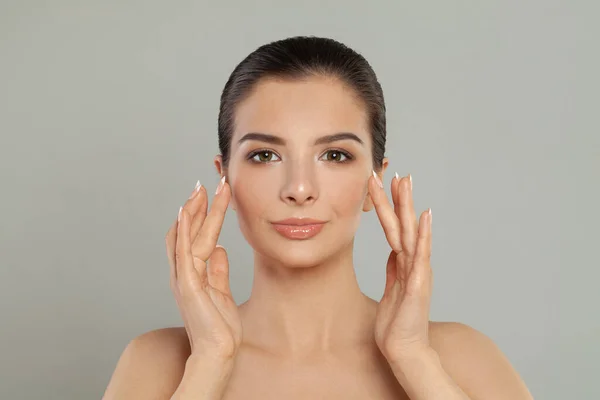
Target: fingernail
{"x":179,"y":214}
{"x":430,"y":216}
{"x":379,"y":183}
{"x":410,"y":180}
{"x":196,"y":190}
{"x":397,"y":176}
{"x":221,"y":183}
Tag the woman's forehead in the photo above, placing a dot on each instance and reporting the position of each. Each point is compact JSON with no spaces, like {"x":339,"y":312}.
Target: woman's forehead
{"x":306,"y":109}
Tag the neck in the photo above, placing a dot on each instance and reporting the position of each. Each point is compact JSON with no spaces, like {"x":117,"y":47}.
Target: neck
{"x":310,"y":310}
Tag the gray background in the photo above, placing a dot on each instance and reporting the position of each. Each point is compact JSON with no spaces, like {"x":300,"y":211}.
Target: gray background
{"x":108,"y":117}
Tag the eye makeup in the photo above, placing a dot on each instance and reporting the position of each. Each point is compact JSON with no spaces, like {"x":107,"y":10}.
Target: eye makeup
{"x":343,"y":156}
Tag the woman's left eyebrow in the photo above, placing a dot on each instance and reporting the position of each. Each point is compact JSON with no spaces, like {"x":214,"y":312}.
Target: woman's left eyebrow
{"x":338,"y":136}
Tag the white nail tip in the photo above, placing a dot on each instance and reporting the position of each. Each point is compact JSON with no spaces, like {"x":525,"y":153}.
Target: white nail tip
{"x":220,"y":185}
{"x":377,"y":180}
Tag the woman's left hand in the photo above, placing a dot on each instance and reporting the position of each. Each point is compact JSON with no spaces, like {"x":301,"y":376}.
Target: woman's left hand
{"x":402,"y":321}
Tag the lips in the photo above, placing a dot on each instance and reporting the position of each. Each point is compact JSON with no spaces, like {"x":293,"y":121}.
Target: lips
{"x":299,"y":228}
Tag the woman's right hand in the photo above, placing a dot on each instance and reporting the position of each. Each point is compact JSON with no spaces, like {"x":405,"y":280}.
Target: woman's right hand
{"x":200,"y":276}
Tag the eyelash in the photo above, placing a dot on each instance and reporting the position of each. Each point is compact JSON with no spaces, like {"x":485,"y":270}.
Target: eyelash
{"x":253,"y":154}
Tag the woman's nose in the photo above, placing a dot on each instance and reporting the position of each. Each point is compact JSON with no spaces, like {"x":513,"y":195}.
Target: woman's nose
{"x":300,"y":186}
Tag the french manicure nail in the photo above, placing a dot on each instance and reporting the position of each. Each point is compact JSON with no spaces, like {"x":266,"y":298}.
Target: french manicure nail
{"x":179,"y":214}
{"x":221,"y":183}
{"x":379,"y":183}
{"x":410,"y":180}
{"x":397,"y":176}
{"x":196,"y":189}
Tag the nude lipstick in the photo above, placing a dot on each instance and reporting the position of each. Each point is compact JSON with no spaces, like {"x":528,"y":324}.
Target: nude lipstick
{"x":298,"y":228}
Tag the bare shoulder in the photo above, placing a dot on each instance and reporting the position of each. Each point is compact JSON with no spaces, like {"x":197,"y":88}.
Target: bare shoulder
{"x":475,"y":362}
{"x":151,"y":366}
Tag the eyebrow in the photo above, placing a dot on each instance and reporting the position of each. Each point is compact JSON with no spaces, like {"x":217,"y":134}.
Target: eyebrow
{"x":263,"y":137}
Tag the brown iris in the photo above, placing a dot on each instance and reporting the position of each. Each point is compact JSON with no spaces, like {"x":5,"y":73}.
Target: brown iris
{"x":333,"y":155}
{"x":265,"y":156}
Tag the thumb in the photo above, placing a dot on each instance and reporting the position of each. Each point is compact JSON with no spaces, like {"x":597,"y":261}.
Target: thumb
{"x":218,"y":270}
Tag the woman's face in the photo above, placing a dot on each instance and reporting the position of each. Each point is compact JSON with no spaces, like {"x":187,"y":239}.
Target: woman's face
{"x":285,"y":163}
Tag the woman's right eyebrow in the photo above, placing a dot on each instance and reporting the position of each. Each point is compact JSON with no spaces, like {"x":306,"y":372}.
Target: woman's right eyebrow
{"x":262,"y":137}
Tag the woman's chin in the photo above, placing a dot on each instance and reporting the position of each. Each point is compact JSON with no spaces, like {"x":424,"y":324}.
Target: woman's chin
{"x":291,"y":261}
{"x":300,"y":254}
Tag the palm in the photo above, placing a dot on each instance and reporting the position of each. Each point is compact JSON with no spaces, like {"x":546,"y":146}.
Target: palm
{"x":396,"y":317}
{"x":224,"y":310}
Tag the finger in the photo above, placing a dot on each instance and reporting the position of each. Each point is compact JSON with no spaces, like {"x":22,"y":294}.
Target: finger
{"x":218,"y":270}
{"x":170,"y":241}
{"x":200,"y":207}
{"x":390,"y":273}
{"x":196,"y":207}
{"x":194,"y":202}
{"x":188,"y":277}
{"x":211,"y":229}
{"x":192,"y":205}
{"x":388,"y":219}
{"x":395,"y":199}
{"x":420,"y":277}
{"x":407,"y":216}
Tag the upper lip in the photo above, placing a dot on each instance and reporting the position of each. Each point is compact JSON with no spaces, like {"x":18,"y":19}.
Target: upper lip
{"x":299,"y":221}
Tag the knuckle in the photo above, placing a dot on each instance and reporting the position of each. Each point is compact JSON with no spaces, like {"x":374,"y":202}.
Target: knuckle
{"x":178,"y":256}
{"x":221,"y":211}
{"x":212,"y":237}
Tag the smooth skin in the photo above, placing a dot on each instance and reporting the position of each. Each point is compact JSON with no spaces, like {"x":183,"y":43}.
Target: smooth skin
{"x":307,"y":331}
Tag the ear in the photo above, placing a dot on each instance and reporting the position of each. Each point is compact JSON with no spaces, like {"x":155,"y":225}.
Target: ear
{"x":219,"y":164}
{"x":368,"y":203}
{"x":221,"y":170}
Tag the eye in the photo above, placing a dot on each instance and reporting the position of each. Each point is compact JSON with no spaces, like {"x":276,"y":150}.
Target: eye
{"x":337,"y":156}
{"x":262,"y":156}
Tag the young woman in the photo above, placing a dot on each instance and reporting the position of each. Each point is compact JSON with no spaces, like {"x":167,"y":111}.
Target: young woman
{"x":302,"y":134}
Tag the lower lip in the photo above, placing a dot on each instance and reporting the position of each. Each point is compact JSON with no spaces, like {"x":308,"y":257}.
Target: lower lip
{"x":298,"y":231}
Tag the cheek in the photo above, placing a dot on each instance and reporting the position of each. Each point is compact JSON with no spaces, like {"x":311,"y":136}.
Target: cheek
{"x":249,"y":199}
{"x":252,"y":195}
{"x":346,"y":195}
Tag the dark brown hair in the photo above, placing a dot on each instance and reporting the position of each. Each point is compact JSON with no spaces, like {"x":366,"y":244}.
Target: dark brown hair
{"x":301,"y":57}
